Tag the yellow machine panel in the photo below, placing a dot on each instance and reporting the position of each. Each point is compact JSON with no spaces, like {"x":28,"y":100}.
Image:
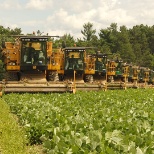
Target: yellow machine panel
{"x":89,"y":65}
{"x":11,"y":56}
{"x":49,"y":49}
{"x":12,"y":68}
{"x":56,"y":60}
{"x":111,"y":68}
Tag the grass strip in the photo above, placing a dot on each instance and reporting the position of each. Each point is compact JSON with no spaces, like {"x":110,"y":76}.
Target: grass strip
{"x":12,"y":140}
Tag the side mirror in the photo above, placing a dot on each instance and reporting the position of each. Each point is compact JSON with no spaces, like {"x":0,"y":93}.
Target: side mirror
{"x":63,"y":44}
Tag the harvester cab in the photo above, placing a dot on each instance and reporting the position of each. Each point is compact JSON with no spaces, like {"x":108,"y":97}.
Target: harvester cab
{"x":73,"y":63}
{"x":100,"y":66}
{"x":100,"y":63}
{"x":134,"y":74}
{"x":144,"y":75}
{"x":122,"y":71}
{"x":151,"y":77}
{"x":33,"y":53}
{"x":118,"y":70}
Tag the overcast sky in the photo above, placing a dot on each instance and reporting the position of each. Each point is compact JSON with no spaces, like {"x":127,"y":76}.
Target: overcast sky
{"x":58,"y":17}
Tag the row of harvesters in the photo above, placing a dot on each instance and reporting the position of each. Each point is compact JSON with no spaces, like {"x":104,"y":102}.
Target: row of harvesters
{"x":33,"y":65}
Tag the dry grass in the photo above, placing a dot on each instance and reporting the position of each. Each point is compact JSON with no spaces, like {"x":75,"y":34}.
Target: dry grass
{"x":35,"y":149}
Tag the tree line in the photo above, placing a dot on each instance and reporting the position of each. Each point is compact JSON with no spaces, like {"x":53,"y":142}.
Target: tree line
{"x":133,"y":45}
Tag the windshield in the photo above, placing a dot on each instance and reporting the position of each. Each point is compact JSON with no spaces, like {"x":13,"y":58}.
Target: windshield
{"x":33,"y":53}
{"x":74,"y":60}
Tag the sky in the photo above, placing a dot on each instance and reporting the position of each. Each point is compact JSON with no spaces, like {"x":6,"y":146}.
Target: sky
{"x":59,"y":17}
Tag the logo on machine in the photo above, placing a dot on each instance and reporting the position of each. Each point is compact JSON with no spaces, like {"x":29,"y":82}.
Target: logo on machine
{"x":34,"y":67}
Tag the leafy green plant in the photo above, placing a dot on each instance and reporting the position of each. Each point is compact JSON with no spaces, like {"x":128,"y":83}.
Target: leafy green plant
{"x":88,"y":122}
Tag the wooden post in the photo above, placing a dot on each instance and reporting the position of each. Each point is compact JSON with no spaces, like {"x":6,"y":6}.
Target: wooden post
{"x":74,"y":86}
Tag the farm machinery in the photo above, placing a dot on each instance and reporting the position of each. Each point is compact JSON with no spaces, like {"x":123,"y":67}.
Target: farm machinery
{"x":33,"y":65}
{"x":29,"y":64}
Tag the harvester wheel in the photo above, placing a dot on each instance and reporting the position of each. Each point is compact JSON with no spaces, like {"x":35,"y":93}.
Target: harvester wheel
{"x":110,"y":79}
{"x":53,"y":76}
{"x":89,"y":78}
{"x":10,"y":76}
{"x":125,"y":79}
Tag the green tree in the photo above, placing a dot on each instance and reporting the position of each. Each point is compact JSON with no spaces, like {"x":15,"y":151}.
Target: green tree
{"x":93,"y":43}
{"x":108,"y":38}
{"x":88,"y":31}
{"x":16,"y":31}
{"x":81,"y":43}
{"x":105,"y":40}
{"x":147,"y":60}
{"x":140,"y":44}
{"x":6,"y":34}
{"x":124,"y":46}
{"x":151,"y":39}
{"x":65,"y":41}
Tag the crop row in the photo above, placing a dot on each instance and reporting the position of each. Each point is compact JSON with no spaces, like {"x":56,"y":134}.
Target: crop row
{"x":110,"y":122}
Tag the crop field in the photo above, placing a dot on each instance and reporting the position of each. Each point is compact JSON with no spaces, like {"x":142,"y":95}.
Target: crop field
{"x":111,"y":122}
